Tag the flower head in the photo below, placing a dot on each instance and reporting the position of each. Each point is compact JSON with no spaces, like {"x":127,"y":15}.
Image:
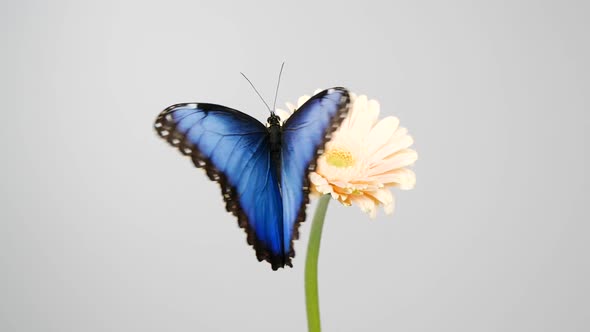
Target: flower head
{"x":364,"y":159}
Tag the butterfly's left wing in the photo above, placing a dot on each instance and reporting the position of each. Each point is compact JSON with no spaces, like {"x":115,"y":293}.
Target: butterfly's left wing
{"x":304,"y":136}
{"x":234,"y":149}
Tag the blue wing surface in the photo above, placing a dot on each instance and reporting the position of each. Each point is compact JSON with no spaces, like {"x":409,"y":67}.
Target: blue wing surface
{"x":233,"y":147}
{"x":304,"y":136}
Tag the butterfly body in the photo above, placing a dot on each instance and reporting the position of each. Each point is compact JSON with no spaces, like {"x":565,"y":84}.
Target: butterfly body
{"x":262,"y":170}
{"x":274,"y":133}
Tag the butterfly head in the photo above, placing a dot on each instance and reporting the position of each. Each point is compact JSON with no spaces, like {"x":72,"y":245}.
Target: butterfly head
{"x":274,"y":120}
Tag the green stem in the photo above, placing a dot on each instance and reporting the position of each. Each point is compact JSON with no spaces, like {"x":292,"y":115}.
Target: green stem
{"x":311,"y":266}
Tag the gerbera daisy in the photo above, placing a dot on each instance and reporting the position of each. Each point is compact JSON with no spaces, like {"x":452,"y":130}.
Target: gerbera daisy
{"x":364,"y":159}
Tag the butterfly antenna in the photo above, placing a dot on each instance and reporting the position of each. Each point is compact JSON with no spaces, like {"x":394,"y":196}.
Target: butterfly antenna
{"x":274,"y":105}
{"x":258,"y":93}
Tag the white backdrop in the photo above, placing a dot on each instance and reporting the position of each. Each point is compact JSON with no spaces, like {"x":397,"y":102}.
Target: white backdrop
{"x":104,"y":227}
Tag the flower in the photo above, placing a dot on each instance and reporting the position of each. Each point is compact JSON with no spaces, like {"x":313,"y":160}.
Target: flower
{"x":364,"y":159}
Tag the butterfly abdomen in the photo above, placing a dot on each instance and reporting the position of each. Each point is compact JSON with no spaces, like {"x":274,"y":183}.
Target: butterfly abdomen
{"x":274,"y":133}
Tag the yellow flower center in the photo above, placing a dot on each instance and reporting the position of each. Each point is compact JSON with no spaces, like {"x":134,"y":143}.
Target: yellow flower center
{"x":339,"y":158}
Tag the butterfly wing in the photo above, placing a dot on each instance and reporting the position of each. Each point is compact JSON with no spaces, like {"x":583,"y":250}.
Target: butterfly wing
{"x":233,"y":147}
{"x":304,"y":136}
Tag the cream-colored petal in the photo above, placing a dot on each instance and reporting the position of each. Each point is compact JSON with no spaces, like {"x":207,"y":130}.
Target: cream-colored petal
{"x":290,"y":107}
{"x":315,"y":178}
{"x":409,"y":181}
{"x":320,"y":184}
{"x":367,"y":186}
{"x":389,"y":208}
{"x":284,"y":115}
{"x":362,"y":118}
{"x":398,"y":141}
{"x":380,"y":134}
{"x":302,"y":100}
{"x":374,"y":108}
{"x":403,"y":178}
{"x":341,"y":184}
{"x":355,"y":111}
{"x":386,"y":198}
{"x":366,"y":204}
{"x":400,"y":159}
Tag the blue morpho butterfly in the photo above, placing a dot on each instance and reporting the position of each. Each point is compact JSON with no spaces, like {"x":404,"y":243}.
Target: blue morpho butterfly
{"x":262,"y":170}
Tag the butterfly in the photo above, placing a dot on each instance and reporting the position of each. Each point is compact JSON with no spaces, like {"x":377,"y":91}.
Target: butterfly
{"x":262,"y":169}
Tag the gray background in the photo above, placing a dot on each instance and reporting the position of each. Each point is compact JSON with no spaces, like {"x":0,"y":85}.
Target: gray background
{"x":105,"y":228}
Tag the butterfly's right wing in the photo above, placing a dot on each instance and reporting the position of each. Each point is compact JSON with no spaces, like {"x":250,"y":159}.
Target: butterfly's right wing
{"x":233,"y":147}
{"x":304,"y":135}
